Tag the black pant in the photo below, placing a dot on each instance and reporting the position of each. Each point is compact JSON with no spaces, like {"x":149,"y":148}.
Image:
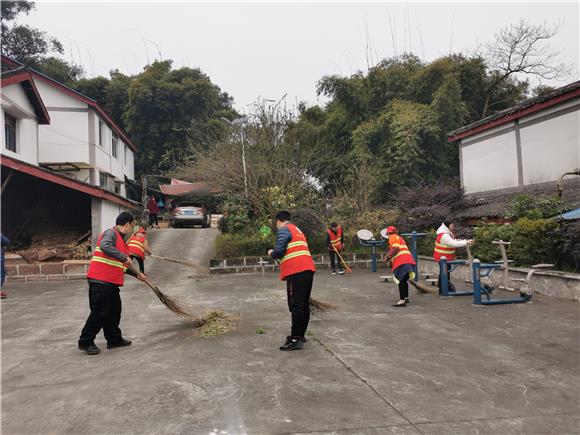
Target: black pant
{"x":404,"y":287}
{"x":333,"y":260}
{"x":153,"y":219}
{"x":298,"y":288}
{"x":141,"y":263}
{"x":105,"y":304}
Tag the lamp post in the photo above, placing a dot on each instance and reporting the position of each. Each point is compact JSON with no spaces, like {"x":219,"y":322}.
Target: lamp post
{"x":241,"y":121}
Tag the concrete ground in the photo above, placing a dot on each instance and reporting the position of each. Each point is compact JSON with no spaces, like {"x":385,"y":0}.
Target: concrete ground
{"x":437,"y":366}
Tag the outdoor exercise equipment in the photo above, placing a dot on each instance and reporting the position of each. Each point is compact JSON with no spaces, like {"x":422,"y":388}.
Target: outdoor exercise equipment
{"x":504,"y":263}
{"x":366,"y":238}
{"x":481,"y":270}
{"x":447,"y":288}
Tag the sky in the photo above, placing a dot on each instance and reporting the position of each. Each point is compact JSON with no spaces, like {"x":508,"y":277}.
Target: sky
{"x":274,"y":50}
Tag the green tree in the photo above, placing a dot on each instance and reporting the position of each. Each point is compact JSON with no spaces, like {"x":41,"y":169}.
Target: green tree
{"x":170,"y":113}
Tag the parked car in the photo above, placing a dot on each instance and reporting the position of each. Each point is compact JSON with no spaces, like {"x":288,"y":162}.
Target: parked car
{"x":189,"y":213}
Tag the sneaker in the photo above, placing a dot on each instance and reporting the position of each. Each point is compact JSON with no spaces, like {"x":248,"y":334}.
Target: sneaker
{"x":401,"y":303}
{"x":289,"y":339}
{"x":333,"y":273}
{"x":3,"y":295}
{"x":121,"y":343}
{"x":341,"y":272}
{"x":292,"y":344}
{"x":407,"y":300}
{"x":91,"y":349}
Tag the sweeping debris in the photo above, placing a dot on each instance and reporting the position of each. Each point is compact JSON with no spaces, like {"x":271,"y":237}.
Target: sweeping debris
{"x":215,"y":323}
{"x":423,"y":288}
{"x":317,"y":306}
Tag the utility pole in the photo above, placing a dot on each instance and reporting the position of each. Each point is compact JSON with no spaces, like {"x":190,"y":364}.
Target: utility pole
{"x":240,"y":121}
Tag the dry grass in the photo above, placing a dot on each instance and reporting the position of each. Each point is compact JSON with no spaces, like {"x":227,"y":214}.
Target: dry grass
{"x":317,"y":307}
{"x":215,"y":323}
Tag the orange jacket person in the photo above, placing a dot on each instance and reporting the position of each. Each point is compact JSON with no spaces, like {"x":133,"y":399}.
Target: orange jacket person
{"x":297,"y":269}
{"x":335,"y":242}
{"x":139,"y":247}
{"x":105,"y":275}
{"x":402,"y":264}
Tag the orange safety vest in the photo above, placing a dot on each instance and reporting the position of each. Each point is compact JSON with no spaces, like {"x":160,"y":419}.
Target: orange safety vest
{"x":443,"y":250}
{"x":297,"y":257}
{"x":335,"y":238}
{"x":105,"y":268}
{"x":404,"y":255}
{"x":136,"y":245}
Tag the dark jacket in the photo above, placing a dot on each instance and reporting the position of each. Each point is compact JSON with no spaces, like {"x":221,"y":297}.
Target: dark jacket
{"x":283,"y":237}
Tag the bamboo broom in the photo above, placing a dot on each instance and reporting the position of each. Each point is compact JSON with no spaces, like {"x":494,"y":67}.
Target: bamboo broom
{"x":191,"y":264}
{"x":423,"y":288}
{"x":168,"y":301}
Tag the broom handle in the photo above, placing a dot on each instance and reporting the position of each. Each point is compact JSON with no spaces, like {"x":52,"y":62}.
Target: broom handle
{"x":339,"y":256}
{"x":132,"y":269}
{"x":175,"y":260}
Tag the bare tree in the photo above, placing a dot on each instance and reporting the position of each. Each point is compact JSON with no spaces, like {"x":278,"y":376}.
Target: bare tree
{"x":523,"y":48}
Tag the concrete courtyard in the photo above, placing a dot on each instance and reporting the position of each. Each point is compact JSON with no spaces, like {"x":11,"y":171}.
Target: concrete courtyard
{"x":437,"y":366}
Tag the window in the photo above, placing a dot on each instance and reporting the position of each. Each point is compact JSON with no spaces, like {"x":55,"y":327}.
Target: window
{"x":101,"y":133}
{"x":114,"y":142}
{"x":118,"y":187}
{"x":125,"y":154}
{"x":103,"y":180}
{"x":10,"y":132}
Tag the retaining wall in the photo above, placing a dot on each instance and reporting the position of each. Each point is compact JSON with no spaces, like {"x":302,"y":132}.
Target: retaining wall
{"x":547,"y":282}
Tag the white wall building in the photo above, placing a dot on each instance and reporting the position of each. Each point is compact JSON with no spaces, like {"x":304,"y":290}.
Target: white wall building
{"x":532,"y":143}
{"x":60,"y":152}
{"x":81,"y":140}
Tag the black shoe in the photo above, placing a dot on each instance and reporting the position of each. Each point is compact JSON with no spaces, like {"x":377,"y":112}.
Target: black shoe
{"x":293,"y":344}
{"x":121,"y":343}
{"x":289,"y":339}
{"x":407,"y":300}
{"x":90,"y":349}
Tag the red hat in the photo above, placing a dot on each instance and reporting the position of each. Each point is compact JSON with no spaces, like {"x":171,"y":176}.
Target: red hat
{"x":391,"y":229}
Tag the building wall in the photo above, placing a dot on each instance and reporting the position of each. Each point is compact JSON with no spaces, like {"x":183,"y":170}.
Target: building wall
{"x":104,"y":213}
{"x":73,"y":136}
{"x":490,"y":164}
{"x":535,"y":149}
{"x":16,"y":103}
{"x":65,"y":139}
{"x":550,"y":148}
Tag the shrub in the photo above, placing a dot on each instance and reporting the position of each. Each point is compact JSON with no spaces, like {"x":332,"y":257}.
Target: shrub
{"x":241,"y":245}
{"x":534,"y":241}
{"x":532,"y":207}
{"x":484,"y":235}
{"x":569,"y":246}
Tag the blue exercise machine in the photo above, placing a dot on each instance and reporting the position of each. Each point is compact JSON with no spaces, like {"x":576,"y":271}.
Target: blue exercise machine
{"x":480,"y":270}
{"x":447,"y":288}
{"x":366,"y":238}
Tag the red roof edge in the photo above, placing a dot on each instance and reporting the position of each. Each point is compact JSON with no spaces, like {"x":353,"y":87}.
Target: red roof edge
{"x":504,"y":120}
{"x":53,"y":177}
{"x":32,"y":93}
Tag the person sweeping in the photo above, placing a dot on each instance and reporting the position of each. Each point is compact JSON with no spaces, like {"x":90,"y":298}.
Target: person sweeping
{"x":335,"y":243}
{"x":139,"y":247}
{"x":402,"y":264}
{"x":297,"y":269}
{"x":105,"y":276}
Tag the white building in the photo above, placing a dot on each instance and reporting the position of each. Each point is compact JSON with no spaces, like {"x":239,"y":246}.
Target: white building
{"x":60,"y":153}
{"x":529,"y":144}
{"x":81,"y":140}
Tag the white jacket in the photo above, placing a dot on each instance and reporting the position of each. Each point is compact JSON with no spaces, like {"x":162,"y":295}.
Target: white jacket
{"x":448,"y":239}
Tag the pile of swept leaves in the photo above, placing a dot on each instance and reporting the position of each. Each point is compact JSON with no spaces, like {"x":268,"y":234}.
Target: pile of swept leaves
{"x":215,"y":323}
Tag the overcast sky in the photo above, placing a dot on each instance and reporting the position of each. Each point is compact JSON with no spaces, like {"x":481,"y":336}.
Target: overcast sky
{"x":266,"y":50}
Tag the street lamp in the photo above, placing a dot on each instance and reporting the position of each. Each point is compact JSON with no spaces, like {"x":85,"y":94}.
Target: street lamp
{"x":240,"y":121}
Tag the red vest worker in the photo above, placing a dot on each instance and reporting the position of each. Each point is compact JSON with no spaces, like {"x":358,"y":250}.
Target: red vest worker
{"x":105,"y":275}
{"x":402,"y":264}
{"x":335,"y":242}
{"x":139,"y":247}
{"x":297,"y":269}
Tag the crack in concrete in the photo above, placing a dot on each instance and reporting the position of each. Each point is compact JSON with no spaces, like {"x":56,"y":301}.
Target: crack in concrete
{"x":364,"y":381}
